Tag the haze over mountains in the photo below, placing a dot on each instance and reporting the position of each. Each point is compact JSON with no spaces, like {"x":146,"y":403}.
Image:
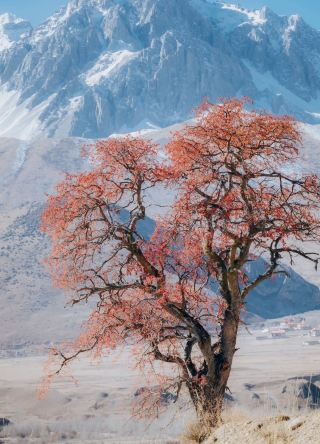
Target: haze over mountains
{"x":102,"y":66}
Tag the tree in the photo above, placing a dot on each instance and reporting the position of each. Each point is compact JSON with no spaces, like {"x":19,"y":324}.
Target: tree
{"x":236,"y":196}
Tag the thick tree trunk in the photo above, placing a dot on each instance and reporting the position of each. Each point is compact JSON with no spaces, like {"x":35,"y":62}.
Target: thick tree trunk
{"x":208,"y":392}
{"x":208,"y":402}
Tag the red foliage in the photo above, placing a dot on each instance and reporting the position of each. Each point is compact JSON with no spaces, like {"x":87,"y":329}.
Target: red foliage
{"x":234,"y":199}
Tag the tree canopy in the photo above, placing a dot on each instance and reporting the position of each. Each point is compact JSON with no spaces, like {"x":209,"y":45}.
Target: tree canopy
{"x":236,"y":195}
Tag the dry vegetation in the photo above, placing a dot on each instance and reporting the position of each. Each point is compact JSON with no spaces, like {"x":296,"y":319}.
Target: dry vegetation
{"x":281,"y":429}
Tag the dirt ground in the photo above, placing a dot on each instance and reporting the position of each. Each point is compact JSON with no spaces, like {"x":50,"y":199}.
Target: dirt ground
{"x":98,"y":406}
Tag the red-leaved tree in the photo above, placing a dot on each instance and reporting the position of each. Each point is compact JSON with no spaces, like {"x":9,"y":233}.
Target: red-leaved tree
{"x":235,"y":198}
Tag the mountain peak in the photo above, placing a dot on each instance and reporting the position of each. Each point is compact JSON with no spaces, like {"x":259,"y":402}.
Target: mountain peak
{"x":99,"y":67}
{"x":12,"y":29}
{"x":8,"y":17}
{"x":76,"y":4}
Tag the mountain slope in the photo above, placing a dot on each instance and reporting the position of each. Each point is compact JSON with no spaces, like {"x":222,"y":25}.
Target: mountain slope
{"x":103,"y":66}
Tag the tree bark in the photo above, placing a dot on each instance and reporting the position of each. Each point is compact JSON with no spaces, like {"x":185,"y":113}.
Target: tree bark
{"x":207,"y":392}
{"x":208,"y":402}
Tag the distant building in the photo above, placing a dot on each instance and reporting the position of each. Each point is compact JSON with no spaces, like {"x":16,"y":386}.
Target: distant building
{"x":301,"y":326}
{"x":275,"y":334}
{"x":284,"y":326}
{"x":292,"y":324}
{"x":275,"y":324}
{"x":315,"y":332}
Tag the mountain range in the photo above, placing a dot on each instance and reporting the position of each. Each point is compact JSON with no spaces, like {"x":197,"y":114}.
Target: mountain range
{"x":98,"y":67}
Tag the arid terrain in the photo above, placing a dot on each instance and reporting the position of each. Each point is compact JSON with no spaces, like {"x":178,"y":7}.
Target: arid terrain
{"x":94,"y":403}
{"x":281,"y":429}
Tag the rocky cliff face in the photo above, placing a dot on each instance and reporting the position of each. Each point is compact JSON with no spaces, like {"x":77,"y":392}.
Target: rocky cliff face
{"x":102,"y":66}
{"x":285,"y":49}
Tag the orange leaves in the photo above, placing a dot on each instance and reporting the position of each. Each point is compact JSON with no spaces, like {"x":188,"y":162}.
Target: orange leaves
{"x":227,"y":169}
{"x":230,"y":167}
{"x":234,"y":197}
{"x":89,"y":213}
{"x":225,"y":136}
{"x":124,"y":159}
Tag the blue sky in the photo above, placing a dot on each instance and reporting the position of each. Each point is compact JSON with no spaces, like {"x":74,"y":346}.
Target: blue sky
{"x":37,"y":11}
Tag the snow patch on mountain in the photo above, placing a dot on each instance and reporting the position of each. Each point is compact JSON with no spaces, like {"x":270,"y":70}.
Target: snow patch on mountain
{"x":12,"y":29}
{"x":21,"y":156}
{"x":69,"y":112}
{"x":291,"y":28}
{"x":108,"y":64}
{"x":287,"y":101}
{"x":19,"y":119}
{"x":230,"y":15}
{"x":256,"y":17}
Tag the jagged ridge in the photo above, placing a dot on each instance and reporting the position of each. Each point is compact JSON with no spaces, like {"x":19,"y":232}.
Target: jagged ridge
{"x":103,"y":66}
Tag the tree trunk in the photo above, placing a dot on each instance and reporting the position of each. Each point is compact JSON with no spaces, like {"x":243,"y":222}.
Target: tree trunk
{"x":208,"y":402}
{"x":207,"y":392}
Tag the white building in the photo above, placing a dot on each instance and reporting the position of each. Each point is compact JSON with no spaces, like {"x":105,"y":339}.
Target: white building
{"x":275,"y":334}
{"x":315,"y":332}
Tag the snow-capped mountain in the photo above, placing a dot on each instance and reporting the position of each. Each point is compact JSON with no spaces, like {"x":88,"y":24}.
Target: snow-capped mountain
{"x":102,"y":66}
{"x":12,"y":29}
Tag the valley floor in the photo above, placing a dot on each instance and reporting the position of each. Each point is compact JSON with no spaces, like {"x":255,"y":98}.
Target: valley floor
{"x":98,"y":407}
